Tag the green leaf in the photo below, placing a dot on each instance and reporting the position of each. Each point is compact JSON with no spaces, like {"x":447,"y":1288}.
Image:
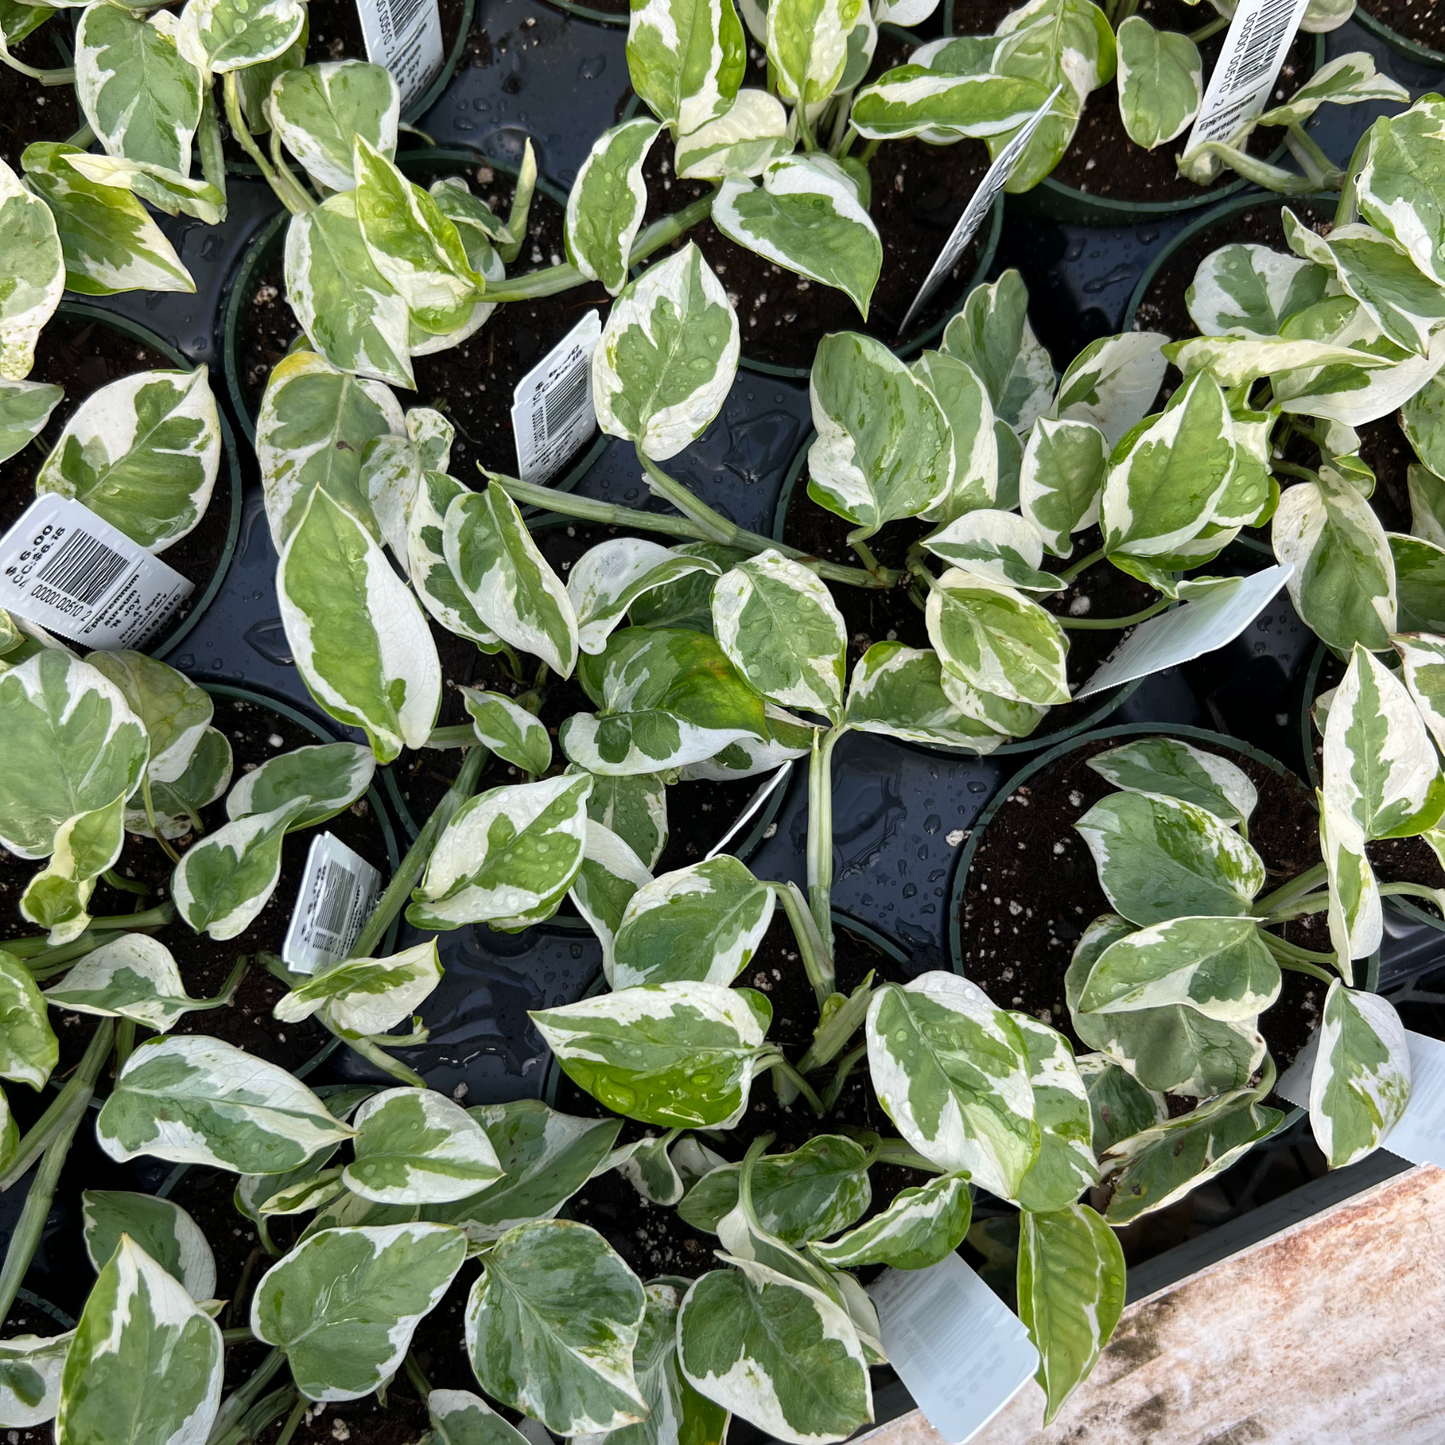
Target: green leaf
{"x":1065,"y":1166}
{"x":1361,"y":1080}
{"x":992,"y":334}
{"x":551,"y":1326}
{"x":132,"y":977}
{"x":83,"y":748}
{"x":780,"y":627}
{"x":85,"y":846}
{"x":504,"y":576}
{"x":177,"y":804}
{"x":175,"y":713}
{"x":330,"y":776}
{"x":34,"y":277}
{"x":507,"y":858}
{"x":145,"y":1364}
{"x":312,"y":429}
{"x":1423,"y":668}
{"x":350,"y":312}
{"x":9,"y":1148}
{"x":884,"y":448}
{"x":235,"y":35}
{"x":996,"y":547}
{"x":1120,"y":1104}
{"x":360,"y":640}
{"x":139,"y":89}
{"x":952,"y":1072}
{"x":29,"y":1050}
{"x":964,"y":401}
{"x":1422,"y":419}
{"x":1419,"y":584}
{"x":918,"y":1228}
{"x":743,"y":141}
{"x":1356,"y":919}
{"x":899,"y":691}
{"x":1160,"y":80}
{"x":415,"y":1146}
{"x":611,"y":873}
{"x":634,"y":808}
{"x":1248,"y":290}
{"x":912,"y":100}
{"x":195,"y":1100}
{"x":1161,"y":858}
{"x":25,"y":407}
{"x":1061,"y":480}
{"x":412,"y":244}
{"x":675,"y":1054}
{"x":781,"y":1354}
{"x":440,"y":592}
{"x":1163,"y":1164}
{"x":1343,"y":80}
{"x":667,"y":355}
{"x":165,"y":189}
{"x":805,"y":215}
{"x":808,"y":46}
{"x":168,"y":1235}
{"x":686,"y":59}
{"x":142,"y":453}
{"x":1112,"y":383}
{"x":510,"y":731}
{"x":997,"y":640}
{"x":30,"y":1370}
{"x":367,"y":995}
{"x":255,"y":81}
{"x":608,"y":198}
{"x":459,"y":1417}
{"x":1180,"y":770}
{"x":546,"y":1157}
{"x":345,"y":1303}
{"x":318,"y":110}
{"x":609,"y":578}
{"x":1070,"y":1294}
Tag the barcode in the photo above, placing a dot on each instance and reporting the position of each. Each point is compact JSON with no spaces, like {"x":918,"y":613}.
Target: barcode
{"x":400,"y":14}
{"x":1256,"y":55}
{"x":84,"y":569}
{"x":338,"y":893}
{"x":557,"y":408}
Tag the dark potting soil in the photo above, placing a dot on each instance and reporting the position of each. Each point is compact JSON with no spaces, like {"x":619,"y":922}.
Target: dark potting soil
{"x":1103,"y":161}
{"x":82,"y":356}
{"x":1422,"y":21}
{"x":1162,"y":307}
{"x":919,"y":192}
{"x":473,"y":383}
{"x":256,"y":734}
{"x":335,"y":30}
{"x":1033,"y":888}
{"x":1388,"y":453}
{"x":30,"y":111}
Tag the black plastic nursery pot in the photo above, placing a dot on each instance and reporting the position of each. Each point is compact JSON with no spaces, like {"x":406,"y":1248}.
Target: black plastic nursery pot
{"x":84,"y":348}
{"x":621,"y":16}
{"x":1412,"y":49}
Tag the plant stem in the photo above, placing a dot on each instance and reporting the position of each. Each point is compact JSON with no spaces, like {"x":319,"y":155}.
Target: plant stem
{"x":820,"y":837}
{"x":1082,"y":565}
{"x":1212,"y":28}
{"x":1414,"y":890}
{"x":869,"y":151}
{"x":292,"y":1421}
{"x":97,"y":931}
{"x":461,"y":735}
{"x":124,"y":1043}
{"x":1288,"y":955}
{"x":241,"y":1399}
{"x":895,"y":1151}
{"x":568,"y":505}
{"x":812,"y":946}
{"x":286,"y":175}
{"x":846,"y":1065}
{"x":1297,"y":887}
{"x":415,"y":1374}
{"x":782,"y":1066}
{"x":671,"y":490}
{"x":865,"y":552}
{"x":150,"y":807}
{"x":241,"y":1335}
{"x":84,"y":137}
{"x":242,"y":132}
{"x":1289,"y":469}
{"x":848,"y":140}
{"x":1315,"y":163}
{"x":28,"y":1228}
{"x":125,"y":885}
{"x":45,"y":77}
{"x":1109,"y":624}
{"x":833,"y":1033}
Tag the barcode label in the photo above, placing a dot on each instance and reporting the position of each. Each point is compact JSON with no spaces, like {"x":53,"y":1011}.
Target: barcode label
{"x":72,"y":573}
{"x":552,"y":411}
{"x":962,"y":1353}
{"x":406,"y":37}
{"x":1255,"y":46}
{"x":338,"y":891}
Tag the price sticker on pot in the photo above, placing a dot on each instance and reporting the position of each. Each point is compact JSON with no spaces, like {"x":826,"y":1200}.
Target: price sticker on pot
{"x":1255,"y":46}
{"x":979,"y":205}
{"x":406,"y":37}
{"x":338,"y":891}
{"x":552,"y":413}
{"x":71,"y":572}
{"x":960,"y":1350}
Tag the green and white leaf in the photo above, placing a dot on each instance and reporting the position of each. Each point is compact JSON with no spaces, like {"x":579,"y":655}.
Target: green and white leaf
{"x":744,"y":140}
{"x":415,"y":1146}
{"x":190,"y":1099}
{"x":226,"y":879}
{"x":551,"y":1326}
{"x":1160,"y":80}
{"x":1249,"y":290}
{"x":1356,"y":918}
{"x":667,"y":355}
{"x":30,"y":1371}
{"x":175,"y":713}
{"x":459,"y":1417}
{"x":634,"y":808}
{"x":29,"y":1050}
{"x":504,"y":576}
{"x":900,"y":692}
{"x":952,"y":1072}
{"x":165,"y":189}
{"x":918,"y":1228}
{"x":507,"y":858}
{"x":85,"y":846}
{"x":1400,"y":188}
{"x":331,"y":776}
{"x":1061,"y":480}
{"x":34,"y":277}
{"x":145,"y":1363}
{"x":236,"y":34}
{"x":686,"y":59}
{"x":676,"y":1054}
{"x":1070,"y":1295}
{"x":992,"y":334}
{"x":161,"y":1228}
{"x":1423,"y":668}
{"x":1065,"y":1167}
{"x":996,"y":547}
{"x":318,"y":110}
{"x":807,"y":44}
{"x":609,"y":196}
{"x":1361,"y":1080}
{"x":25,"y":407}
{"x":804,"y":215}
{"x":431,"y":576}
{"x":1112,"y":382}
{"x":965,"y":404}
{"x":1179,"y":770}
{"x":132,"y":977}
{"x":608,"y":578}
{"x":511,"y":732}
{"x":1120,"y":1104}
{"x":345,"y":1303}
{"x":914,"y":100}
{"x":367,"y":995}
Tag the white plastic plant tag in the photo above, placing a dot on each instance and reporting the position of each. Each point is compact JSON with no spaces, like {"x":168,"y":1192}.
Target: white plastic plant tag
{"x":1420,"y":1134}
{"x":960,"y":1350}
{"x":552,"y":412}
{"x":1189,"y":631}
{"x":979,"y":205}
{"x":338,"y":891}
{"x":406,"y":37}
{"x":769,"y":786}
{"x":71,"y":572}
{"x":1255,"y":45}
